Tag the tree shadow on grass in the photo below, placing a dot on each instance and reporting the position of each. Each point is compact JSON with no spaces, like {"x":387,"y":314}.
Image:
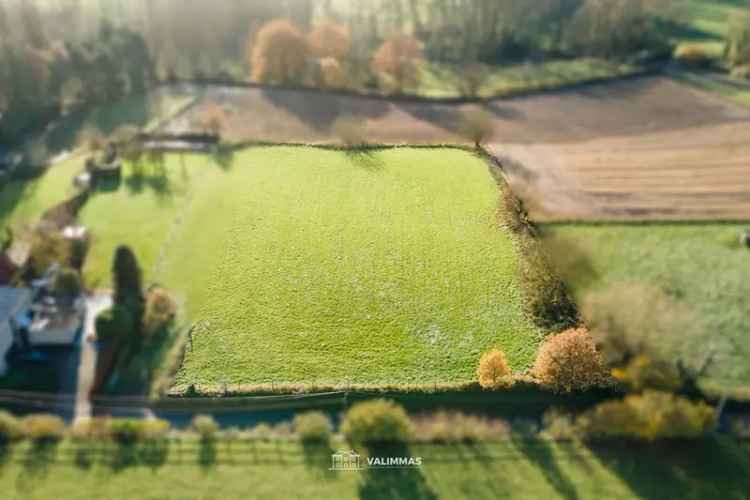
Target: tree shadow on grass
{"x":40,"y":455}
{"x":706,"y":468}
{"x":386,"y":484}
{"x":541,"y":453}
{"x":223,"y":156}
{"x":365,"y":158}
{"x":207,"y":453}
{"x":317,"y":458}
{"x":153,"y":453}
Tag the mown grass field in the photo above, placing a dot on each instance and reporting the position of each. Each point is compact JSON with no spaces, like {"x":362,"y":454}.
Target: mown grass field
{"x":22,"y":202}
{"x":704,"y":22}
{"x":702,"y":267}
{"x":516,"y":468}
{"x":305,"y":265}
{"x":440,"y":80}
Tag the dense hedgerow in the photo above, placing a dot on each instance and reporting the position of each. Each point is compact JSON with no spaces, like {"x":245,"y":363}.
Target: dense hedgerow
{"x":650,"y":415}
{"x":10,"y":428}
{"x":444,"y":427}
{"x":378,"y":421}
{"x":569,"y":361}
{"x":43,"y":428}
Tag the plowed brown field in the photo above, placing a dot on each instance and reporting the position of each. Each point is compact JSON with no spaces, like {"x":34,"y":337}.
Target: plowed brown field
{"x":647,"y":148}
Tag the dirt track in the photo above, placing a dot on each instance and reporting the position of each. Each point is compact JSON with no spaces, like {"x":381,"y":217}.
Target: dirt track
{"x":647,"y":148}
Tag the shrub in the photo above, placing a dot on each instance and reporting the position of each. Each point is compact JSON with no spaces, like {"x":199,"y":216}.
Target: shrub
{"x":94,"y":429}
{"x":650,"y":415}
{"x":262,"y":431}
{"x":313,"y":427}
{"x":68,"y":282}
{"x":155,"y":429}
{"x":398,"y":58}
{"x":10,"y":428}
{"x":349,"y":130}
{"x":547,"y":299}
{"x":692,"y":55}
{"x":43,"y":428}
{"x":378,"y":421}
{"x":160,"y":311}
{"x":643,"y":372}
{"x":47,"y":247}
{"x":569,"y":361}
{"x":444,"y":427}
{"x":126,"y":431}
{"x":493,"y":371}
{"x":279,"y":53}
{"x":477,"y":125}
{"x":113,"y":324}
{"x":206,"y":427}
{"x":330,"y":39}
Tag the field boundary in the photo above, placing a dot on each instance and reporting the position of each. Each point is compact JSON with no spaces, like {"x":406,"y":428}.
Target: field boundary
{"x":416,"y":98}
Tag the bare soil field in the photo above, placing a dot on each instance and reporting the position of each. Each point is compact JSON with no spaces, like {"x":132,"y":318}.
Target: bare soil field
{"x":647,"y":148}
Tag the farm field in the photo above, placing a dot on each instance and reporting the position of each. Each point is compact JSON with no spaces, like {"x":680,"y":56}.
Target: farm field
{"x":704,"y":22}
{"x":702,"y":267}
{"x":305,"y":265}
{"x":541,"y":469}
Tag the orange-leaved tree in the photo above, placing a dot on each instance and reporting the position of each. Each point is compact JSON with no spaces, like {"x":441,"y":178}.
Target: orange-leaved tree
{"x":279,"y":53}
{"x":398,"y":59}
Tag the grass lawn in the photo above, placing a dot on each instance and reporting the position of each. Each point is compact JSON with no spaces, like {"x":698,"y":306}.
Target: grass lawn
{"x":734,"y":89}
{"x":704,"y":22}
{"x":699,"y":265}
{"x":310,"y":266}
{"x":516,"y":468}
{"x":441,"y":80}
{"x":22,"y":202}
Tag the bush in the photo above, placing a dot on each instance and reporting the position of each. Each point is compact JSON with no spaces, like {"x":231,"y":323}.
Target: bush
{"x":48,"y":247}
{"x":493,"y":371}
{"x":444,"y":427}
{"x":313,"y":427}
{"x":68,"y":282}
{"x":155,"y":429}
{"x":206,"y":427}
{"x":10,"y":428}
{"x":477,"y":125}
{"x":113,"y":324}
{"x":473,"y":78}
{"x":160,"y":311}
{"x":692,"y":55}
{"x":262,"y":431}
{"x":43,"y":428}
{"x":349,"y":130}
{"x":125,"y":431}
{"x":643,"y":372}
{"x":569,"y":361}
{"x":279,"y":53}
{"x":378,"y":421}
{"x":650,"y":415}
{"x":547,"y":299}
{"x":93,"y":429}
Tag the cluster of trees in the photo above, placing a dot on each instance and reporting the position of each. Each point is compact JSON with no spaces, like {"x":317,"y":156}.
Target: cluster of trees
{"x":44,"y":71}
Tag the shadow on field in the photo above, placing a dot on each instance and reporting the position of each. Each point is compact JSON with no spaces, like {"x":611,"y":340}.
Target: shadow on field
{"x":317,"y":458}
{"x":386,"y":484}
{"x":708,"y":468}
{"x":40,"y":455}
{"x":367,"y":159}
{"x":445,"y":116}
{"x":541,"y":453}
{"x":320,"y":109}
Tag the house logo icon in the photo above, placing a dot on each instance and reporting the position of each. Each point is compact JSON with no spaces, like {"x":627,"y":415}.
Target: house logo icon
{"x":346,"y":460}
